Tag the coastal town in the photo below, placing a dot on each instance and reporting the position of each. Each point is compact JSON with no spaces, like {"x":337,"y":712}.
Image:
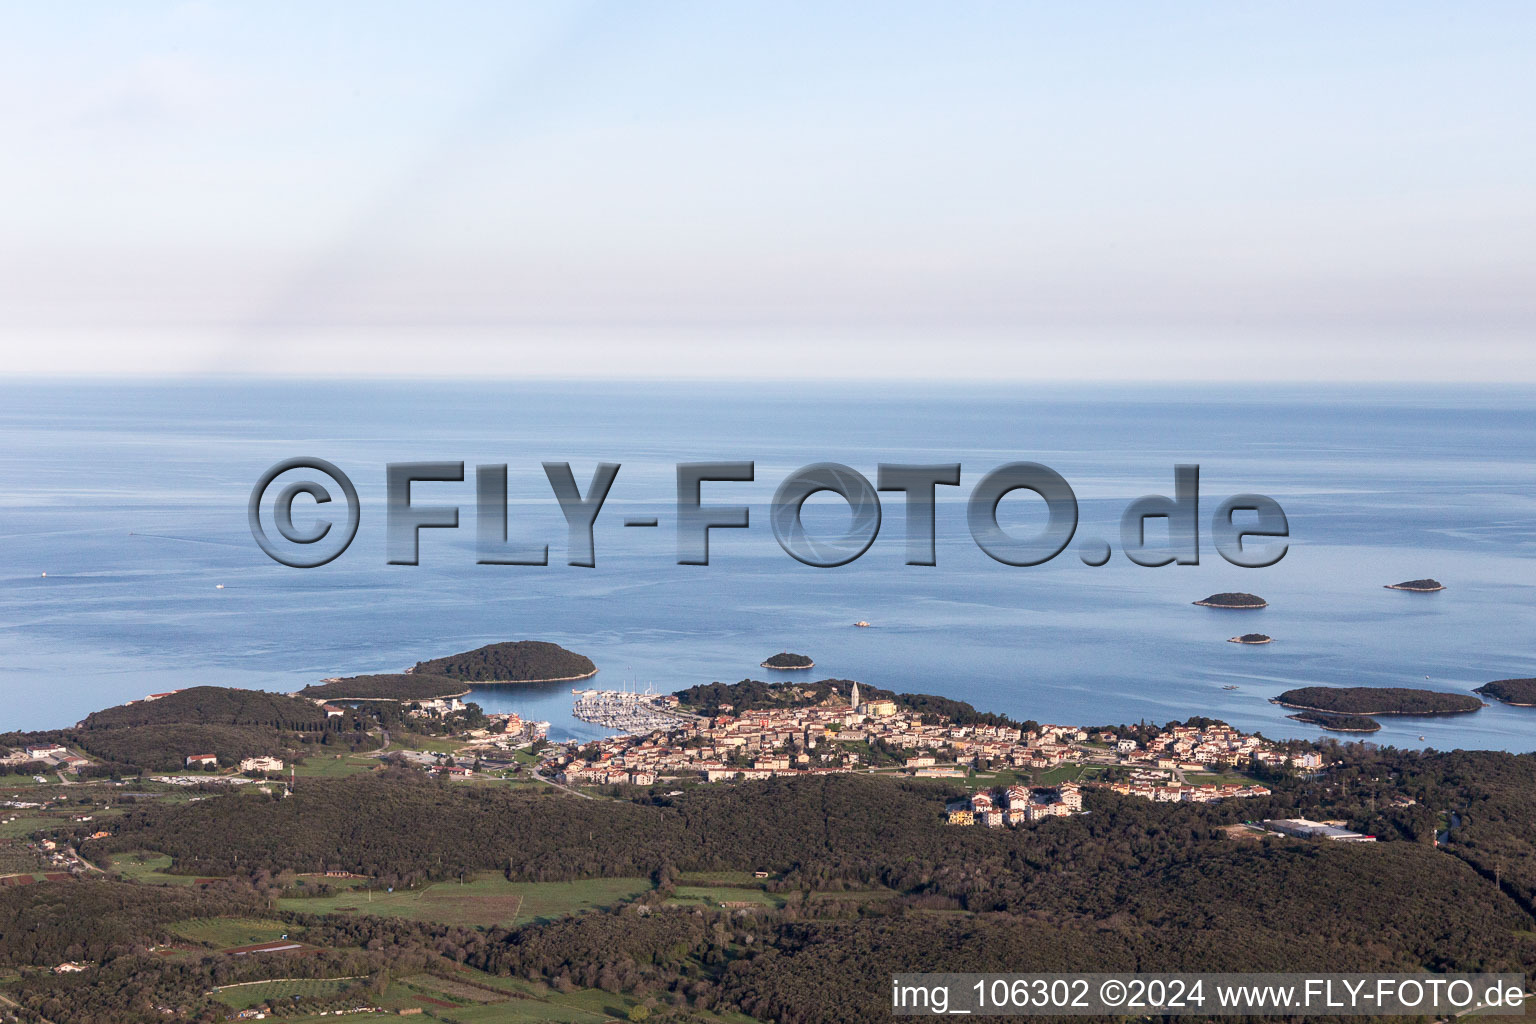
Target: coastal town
{"x":843,"y":732}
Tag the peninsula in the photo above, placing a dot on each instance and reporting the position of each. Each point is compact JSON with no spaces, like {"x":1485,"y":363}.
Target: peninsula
{"x":1233,"y":600}
{"x":1377,"y":700}
{"x":1519,"y":692}
{"x":786,"y":662}
{"x":405,"y":686}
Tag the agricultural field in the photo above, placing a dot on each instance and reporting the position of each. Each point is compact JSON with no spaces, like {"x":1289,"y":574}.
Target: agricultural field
{"x":331,"y":766}
{"x":243,"y":997}
{"x":26,"y":824}
{"x":483,"y":901}
{"x":147,"y":867}
{"x":718,"y":894}
{"x":16,"y":859}
{"x":225,"y":932}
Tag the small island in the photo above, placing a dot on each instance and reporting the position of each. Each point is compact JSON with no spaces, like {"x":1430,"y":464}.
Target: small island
{"x":519,"y":661}
{"x":1231,"y":600}
{"x":1251,"y":638}
{"x":786,"y":662}
{"x":1377,"y":700}
{"x":1425,"y":586}
{"x":1519,"y":692}
{"x":1338,"y":723}
{"x":401,"y":686}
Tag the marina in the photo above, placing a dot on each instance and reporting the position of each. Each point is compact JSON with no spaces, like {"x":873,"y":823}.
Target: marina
{"x":629,"y":711}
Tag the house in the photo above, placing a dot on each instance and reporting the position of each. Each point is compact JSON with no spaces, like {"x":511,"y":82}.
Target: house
{"x":332,"y":711}
{"x":262,"y":764}
{"x":43,"y":750}
{"x":202,"y":761}
{"x":961,"y":817}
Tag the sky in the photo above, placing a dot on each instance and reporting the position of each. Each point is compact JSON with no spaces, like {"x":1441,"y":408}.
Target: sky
{"x":1101,"y":192}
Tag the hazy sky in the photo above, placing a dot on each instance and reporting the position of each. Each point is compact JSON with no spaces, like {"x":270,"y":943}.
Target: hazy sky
{"x":1072,"y":190}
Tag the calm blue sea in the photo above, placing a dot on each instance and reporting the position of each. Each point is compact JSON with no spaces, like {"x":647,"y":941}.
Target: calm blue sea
{"x":132,"y":499}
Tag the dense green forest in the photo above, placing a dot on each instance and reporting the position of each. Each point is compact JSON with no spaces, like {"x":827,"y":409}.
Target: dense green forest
{"x":786,"y":660}
{"x":1378,"y":700}
{"x":1230,"y":599}
{"x":388,"y":686}
{"x":521,"y":661}
{"x":1511,"y":691}
{"x":1338,"y":723}
{"x":214,"y":705}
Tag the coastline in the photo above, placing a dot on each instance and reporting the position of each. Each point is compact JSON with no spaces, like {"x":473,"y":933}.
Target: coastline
{"x":396,"y":700}
{"x":1372,"y":714}
{"x":475,"y":683}
{"x":1333,"y":728}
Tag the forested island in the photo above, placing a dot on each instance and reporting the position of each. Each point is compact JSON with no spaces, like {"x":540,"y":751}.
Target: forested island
{"x":519,"y":661}
{"x":787,"y":662}
{"x":1251,"y":638}
{"x":1378,"y":700}
{"x":387,"y":686}
{"x":1233,"y":600}
{"x":1424,"y":586}
{"x":1519,"y":692}
{"x":1338,"y":723}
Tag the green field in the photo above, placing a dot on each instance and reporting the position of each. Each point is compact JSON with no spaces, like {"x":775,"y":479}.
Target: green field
{"x":486,"y":900}
{"x":330,"y":766}
{"x":27,"y":824}
{"x":717,"y":894}
{"x":224,"y":932}
{"x":1223,"y":779}
{"x":243,"y":997}
{"x":150,"y":868}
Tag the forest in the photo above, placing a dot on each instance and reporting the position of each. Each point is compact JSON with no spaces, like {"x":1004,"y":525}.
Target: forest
{"x":387,"y":686}
{"x":520,"y":661}
{"x":230,"y":723}
{"x":213,"y":705}
{"x":1510,"y":691}
{"x":867,"y":880}
{"x":1378,"y":700}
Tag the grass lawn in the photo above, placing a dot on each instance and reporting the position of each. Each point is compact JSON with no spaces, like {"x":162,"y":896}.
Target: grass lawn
{"x":224,"y":932}
{"x":27,"y":824}
{"x":328,"y":766}
{"x":1061,"y":773}
{"x":744,"y":879}
{"x":717,"y":894}
{"x":486,"y":900}
{"x":1222,"y":779}
{"x":411,"y":741}
{"x":150,"y":868}
{"x":243,"y":997}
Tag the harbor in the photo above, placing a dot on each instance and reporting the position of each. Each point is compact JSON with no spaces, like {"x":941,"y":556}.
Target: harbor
{"x":629,"y":711}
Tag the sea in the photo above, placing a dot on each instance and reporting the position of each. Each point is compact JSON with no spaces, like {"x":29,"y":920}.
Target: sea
{"x":129,"y":565}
